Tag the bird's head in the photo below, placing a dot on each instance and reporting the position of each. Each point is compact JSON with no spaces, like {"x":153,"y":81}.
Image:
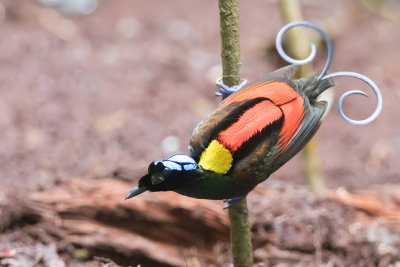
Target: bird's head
{"x":165,"y":175}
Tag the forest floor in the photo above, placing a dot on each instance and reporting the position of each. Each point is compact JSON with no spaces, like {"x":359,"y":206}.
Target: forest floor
{"x":83,"y":98}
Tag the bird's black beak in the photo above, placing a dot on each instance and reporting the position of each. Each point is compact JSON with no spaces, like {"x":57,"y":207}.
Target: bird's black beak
{"x":135,"y":191}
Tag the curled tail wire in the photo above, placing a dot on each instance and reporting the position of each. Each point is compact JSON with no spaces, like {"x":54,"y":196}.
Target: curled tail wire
{"x":327,"y":77}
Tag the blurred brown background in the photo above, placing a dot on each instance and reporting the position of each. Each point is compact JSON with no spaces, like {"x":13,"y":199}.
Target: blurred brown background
{"x":88,"y":88}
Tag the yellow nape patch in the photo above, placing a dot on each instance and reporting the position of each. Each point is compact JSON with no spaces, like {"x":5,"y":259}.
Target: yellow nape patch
{"x":216,"y":158}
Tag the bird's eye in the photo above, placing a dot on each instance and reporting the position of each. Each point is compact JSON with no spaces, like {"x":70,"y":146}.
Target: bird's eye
{"x":157,"y":178}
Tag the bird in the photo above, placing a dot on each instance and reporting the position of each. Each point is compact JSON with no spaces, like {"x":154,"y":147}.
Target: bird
{"x":250,"y":135}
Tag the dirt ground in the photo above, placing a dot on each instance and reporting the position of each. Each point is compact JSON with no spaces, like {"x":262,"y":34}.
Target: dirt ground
{"x":82,"y":96}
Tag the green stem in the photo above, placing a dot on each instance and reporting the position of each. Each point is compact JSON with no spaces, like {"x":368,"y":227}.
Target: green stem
{"x":298,"y":46}
{"x":230,"y":41}
{"x":242,"y":248}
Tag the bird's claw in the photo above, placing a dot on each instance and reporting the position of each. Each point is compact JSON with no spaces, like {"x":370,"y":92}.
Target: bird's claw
{"x":233,"y":201}
{"x":225,"y":90}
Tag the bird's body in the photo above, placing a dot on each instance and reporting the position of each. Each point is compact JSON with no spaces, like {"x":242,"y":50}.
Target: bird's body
{"x":251,"y":134}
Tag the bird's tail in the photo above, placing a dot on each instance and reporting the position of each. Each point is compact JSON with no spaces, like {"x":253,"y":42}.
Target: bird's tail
{"x":312,"y":87}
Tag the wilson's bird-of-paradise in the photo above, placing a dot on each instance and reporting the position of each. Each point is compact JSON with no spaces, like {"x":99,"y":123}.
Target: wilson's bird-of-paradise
{"x":252,"y":133}
{"x":247,"y":137}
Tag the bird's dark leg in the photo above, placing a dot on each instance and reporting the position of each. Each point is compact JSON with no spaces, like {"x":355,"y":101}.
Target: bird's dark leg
{"x":233,"y":201}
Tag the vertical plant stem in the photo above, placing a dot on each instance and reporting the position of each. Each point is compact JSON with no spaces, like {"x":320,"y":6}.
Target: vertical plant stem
{"x":298,"y":46}
{"x":242,"y":249}
{"x":230,"y":41}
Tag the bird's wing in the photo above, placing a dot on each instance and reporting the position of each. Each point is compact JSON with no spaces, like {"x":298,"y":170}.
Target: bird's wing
{"x":238,"y":133}
{"x":301,"y":121}
{"x":308,"y":88}
{"x":268,"y":87}
{"x":308,"y":128}
{"x":264,"y":110}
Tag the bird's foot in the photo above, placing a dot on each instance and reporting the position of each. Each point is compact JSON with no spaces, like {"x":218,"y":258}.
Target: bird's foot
{"x":233,"y":201}
{"x":225,"y":90}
